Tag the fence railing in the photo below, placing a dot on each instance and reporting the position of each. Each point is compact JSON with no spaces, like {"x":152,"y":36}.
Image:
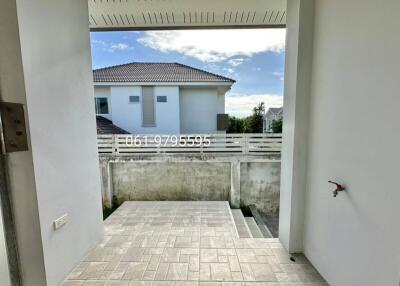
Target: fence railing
{"x":246,"y":144}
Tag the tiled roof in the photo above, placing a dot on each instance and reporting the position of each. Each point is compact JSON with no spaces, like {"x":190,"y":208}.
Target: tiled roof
{"x":156,"y":72}
{"x":105,"y":126}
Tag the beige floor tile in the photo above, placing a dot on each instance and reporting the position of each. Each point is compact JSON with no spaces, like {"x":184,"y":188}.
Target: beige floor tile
{"x":186,"y":244}
{"x":263,"y":272}
{"x":220,"y":272}
{"x":178,"y":271}
{"x":208,"y":255}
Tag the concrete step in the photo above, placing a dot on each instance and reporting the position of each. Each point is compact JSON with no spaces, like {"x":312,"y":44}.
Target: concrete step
{"x":254,"y":229}
{"x":241,"y":225}
{"x":260,"y":223}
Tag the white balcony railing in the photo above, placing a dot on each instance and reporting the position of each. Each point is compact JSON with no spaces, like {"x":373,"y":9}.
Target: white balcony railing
{"x":245,"y":144}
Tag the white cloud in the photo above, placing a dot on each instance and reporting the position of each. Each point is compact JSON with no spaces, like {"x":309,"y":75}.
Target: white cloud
{"x":216,"y":45}
{"x":242,"y":105}
{"x":119,"y":46}
{"x":236,"y":62}
{"x":110,"y":47}
{"x":229,"y":70}
{"x":280,"y":75}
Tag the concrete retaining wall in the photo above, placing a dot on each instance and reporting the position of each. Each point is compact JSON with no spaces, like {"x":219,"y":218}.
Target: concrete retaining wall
{"x":241,"y":180}
{"x":259,"y":185}
{"x":174,"y":181}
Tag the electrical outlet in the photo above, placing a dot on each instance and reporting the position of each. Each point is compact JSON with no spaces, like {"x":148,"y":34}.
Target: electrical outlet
{"x":60,"y":221}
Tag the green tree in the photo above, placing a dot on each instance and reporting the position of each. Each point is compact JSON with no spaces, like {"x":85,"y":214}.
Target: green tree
{"x":236,"y":125}
{"x":276,"y":125}
{"x":255,"y":121}
{"x":250,"y":124}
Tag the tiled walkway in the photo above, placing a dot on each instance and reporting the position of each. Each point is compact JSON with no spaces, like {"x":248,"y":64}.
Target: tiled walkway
{"x":186,"y":244}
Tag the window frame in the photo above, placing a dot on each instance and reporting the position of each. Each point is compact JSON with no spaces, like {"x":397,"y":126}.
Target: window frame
{"x":134,"y":96}
{"x":97,"y":105}
{"x":149,"y":125}
{"x":162,"y":96}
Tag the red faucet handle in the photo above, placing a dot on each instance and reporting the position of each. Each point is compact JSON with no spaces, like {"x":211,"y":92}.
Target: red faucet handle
{"x":338,"y":186}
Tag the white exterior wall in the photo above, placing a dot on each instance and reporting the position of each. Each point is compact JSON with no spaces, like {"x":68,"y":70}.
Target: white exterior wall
{"x":354,"y":239}
{"x":187,"y":110}
{"x":167,"y":113}
{"x":20,"y":164}
{"x":128,"y":116}
{"x":60,"y":172}
{"x":104,"y":92}
{"x":199,"y":108}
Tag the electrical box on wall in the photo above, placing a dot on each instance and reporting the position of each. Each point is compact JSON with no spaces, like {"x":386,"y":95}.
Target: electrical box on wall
{"x":13,"y":130}
{"x":60,"y":221}
{"x":222,"y":122}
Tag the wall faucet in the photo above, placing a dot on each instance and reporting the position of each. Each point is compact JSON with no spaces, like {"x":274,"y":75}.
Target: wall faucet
{"x":339,"y":188}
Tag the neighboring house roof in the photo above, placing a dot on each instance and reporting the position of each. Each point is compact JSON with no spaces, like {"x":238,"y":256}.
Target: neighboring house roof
{"x":156,"y":72}
{"x":105,"y":126}
{"x":274,"y":111}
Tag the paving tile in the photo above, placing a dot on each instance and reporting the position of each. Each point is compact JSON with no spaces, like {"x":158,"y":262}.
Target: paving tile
{"x":94,"y":283}
{"x":220,"y":272}
{"x":178,"y":271}
{"x":135,"y":271}
{"x":184,"y":258}
{"x":186,"y":283}
{"x":194,"y":263}
{"x":193,"y":275}
{"x":183,"y":241}
{"x":190,"y":251}
{"x":263,"y":272}
{"x":234,"y":263}
{"x":247,"y":272}
{"x":117,"y":283}
{"x":232,"y":284}
{"x":205,"y":272}
{"x":222,"y":258}
{"x":153,"y":262}
{"x":226,"y":252}
{"x":210,"y":283}
{"x":170,"y":255}
{"x":163,"y":283}
{"x":140,"y":283}
{"x":237,"y":276}
{"x":161,"y":272}
{"x":73,"y":283}
{"x":257,"y":284}
{"x":186,"y":244}
{"x":208,"y":255}
{"x":149,"y":275}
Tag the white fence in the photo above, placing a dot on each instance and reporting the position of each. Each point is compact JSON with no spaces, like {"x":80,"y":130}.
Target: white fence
{"x":245,"y":144}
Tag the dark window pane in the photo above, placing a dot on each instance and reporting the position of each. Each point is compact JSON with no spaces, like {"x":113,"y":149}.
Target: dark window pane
{"x":161,"y":98}
{"x":134,"y":98}
{"x":101,"y":105}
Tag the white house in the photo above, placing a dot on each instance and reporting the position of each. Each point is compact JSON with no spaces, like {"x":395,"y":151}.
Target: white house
{"x":163,"y":98}
{"x":271,"y":115}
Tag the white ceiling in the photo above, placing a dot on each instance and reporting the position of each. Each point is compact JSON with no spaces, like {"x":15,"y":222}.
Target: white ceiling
{"x":169,"y":14}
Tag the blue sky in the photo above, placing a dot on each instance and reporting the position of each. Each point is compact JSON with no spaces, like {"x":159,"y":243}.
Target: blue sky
{"x":254,"y":58}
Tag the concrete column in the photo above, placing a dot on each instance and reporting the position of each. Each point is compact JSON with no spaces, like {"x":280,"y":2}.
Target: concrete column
{"x":235,"y":184}
{"x":299,"y":43}
{"x":20,"y":182}
{"x":106,"y":182}
{"x":45,"y":64}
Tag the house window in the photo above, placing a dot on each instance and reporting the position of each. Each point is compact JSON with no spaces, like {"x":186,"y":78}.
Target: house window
{"x":134,"y":99}
{"x":161,"y":98}
{"x":148,"y":109}
{"x":101,"y":104}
